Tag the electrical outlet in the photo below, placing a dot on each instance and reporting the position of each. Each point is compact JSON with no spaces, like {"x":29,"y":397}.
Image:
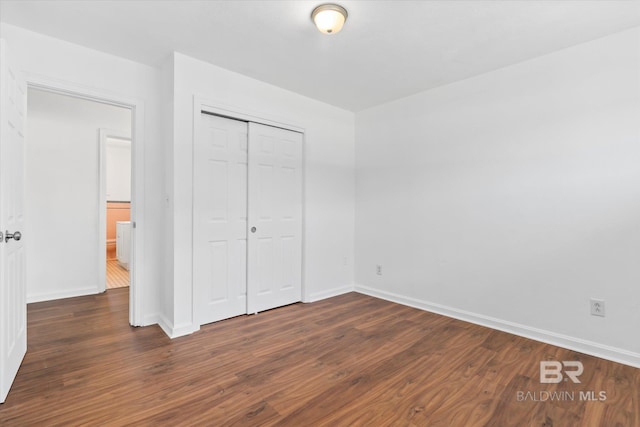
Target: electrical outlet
{"x":345,"y":261}
{"x":597,"y":307}
{"x":379,"y":270}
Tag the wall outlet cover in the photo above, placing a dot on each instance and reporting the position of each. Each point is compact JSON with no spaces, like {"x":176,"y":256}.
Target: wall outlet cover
{"x":597,"y":307}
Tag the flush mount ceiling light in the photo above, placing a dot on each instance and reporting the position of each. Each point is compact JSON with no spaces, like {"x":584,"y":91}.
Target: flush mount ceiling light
{"x":329,"y":18}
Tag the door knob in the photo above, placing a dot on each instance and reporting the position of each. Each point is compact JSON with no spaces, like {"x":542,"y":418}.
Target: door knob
{"x":17,"y":236}
{"x":253,"y":229}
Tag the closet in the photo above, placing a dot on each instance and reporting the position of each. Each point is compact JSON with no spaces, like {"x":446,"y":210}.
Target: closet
{"x":247,"y":217}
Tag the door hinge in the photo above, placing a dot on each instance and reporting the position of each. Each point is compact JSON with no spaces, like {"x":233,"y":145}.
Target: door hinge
{"x":133,"y":224}
{"x":1,"y":236}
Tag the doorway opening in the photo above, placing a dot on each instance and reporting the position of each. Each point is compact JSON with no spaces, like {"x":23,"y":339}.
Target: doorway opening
{"x":115,"y":199}
{"x":68,"y":177}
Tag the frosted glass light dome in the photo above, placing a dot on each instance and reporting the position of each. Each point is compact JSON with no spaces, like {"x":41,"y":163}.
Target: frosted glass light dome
{"x":329,"y":18}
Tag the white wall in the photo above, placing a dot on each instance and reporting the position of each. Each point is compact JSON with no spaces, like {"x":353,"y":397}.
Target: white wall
{"x":328,"y":186}
{"x":512,"y":198}
{"x":118,"y":169}
{"x":62,"y":192}
{"x":166,"y":288}
{"x":90,"y":71}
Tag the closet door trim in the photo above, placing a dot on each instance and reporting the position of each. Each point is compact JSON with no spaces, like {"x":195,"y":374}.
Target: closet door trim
{"x":207,"y":107}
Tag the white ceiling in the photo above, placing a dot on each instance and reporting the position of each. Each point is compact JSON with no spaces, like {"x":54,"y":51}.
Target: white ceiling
{"x":387,"y":49}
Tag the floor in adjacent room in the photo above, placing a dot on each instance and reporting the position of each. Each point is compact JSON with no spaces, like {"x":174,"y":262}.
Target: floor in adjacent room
{"x":347,"y":360}
{"x":117,"y":276}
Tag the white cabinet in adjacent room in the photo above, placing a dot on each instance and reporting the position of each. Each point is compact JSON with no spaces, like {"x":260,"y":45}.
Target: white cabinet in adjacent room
{"x":123,"y":243}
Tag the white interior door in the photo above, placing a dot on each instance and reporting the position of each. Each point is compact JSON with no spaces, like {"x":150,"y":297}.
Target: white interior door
{"x":274,"y":276}
{"x":13,"y":305}
{"x":220,"y":218}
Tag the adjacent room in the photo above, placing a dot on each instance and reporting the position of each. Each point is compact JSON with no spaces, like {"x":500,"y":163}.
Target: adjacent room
{"x":78,"y":193}
{"x":377,"y":213}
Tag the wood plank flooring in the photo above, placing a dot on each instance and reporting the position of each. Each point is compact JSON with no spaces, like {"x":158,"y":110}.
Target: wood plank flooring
{"x":117,"y":277}
{"x":351,"y":360}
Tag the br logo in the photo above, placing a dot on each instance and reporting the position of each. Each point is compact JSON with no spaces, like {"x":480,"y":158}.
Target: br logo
{"x":551,"y":371}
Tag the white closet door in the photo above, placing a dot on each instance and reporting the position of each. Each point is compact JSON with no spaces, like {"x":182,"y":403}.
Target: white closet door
{"x":220,"y":218}
{"x":275,"y":218}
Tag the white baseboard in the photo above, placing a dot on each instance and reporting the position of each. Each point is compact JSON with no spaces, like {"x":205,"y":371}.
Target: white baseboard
{"x":588,"y":347}
{"x":165,"y":325}
{"x":67,"y":293}
{"x":175,"y":331}
{"x":334,"y":292}
{"x":151,"y":319}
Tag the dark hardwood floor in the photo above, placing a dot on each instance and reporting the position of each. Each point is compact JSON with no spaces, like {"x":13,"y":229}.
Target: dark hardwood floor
{"x":349,"y":360}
